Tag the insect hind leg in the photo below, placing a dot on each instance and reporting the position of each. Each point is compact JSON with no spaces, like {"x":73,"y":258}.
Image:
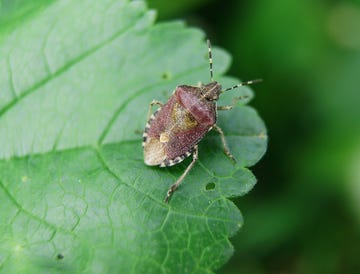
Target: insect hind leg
{"x":174,"y":186}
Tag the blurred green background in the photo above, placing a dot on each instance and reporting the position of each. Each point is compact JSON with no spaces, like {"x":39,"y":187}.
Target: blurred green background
{"x":304,"y":214}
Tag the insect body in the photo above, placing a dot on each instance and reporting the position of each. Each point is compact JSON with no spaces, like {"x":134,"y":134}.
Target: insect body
{"x":174,"y":130}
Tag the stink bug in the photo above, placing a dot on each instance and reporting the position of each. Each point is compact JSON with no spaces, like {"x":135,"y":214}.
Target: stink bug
{"x":174,"y":130}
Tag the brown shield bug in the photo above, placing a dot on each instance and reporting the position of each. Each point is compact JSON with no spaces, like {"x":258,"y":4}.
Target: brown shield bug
{"x":174,"y":130}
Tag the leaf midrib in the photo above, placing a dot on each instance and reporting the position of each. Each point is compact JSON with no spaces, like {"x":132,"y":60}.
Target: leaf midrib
{"x":67,"y":66}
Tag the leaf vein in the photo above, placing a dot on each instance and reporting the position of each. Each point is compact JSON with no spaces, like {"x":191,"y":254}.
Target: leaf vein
{"x":106,"y":167}
{"x":63,"y":69}
{"x":22,"y":209}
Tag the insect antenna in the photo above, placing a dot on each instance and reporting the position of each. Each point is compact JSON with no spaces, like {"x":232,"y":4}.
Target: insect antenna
{"x":210,"y":61}
{"x":243,"y":84}
{"x":212,"y":74}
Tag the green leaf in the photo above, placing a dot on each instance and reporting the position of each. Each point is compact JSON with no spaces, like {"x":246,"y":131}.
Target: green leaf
{"x":76,"y":78}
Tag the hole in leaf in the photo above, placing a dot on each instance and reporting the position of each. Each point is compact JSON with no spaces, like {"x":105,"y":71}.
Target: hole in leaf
{"x":210,"y":186}
{"x":166,"y":75}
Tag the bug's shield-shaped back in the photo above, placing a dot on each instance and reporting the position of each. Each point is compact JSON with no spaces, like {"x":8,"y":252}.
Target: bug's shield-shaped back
{"x":173,"y":131}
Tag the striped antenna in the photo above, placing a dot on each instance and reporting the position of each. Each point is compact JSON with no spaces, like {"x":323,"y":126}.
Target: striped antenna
{"x":243,"y":84}
{"x":212,"y":74}
{"x":210,"y":61}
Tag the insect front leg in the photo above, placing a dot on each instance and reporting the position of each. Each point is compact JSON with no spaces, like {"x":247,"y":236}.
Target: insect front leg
{"x":223,"y":140}
{"x":181,"y":178}
{"x":233,"y":103}
{"x":153,"y":102}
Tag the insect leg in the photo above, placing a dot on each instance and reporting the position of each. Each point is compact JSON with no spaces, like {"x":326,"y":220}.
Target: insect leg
{"x":233,"y":103}
{"x":153,"y":102}
{"x":224,"y":107}
{"x":181,"y":178}
{"x":223,"y":140}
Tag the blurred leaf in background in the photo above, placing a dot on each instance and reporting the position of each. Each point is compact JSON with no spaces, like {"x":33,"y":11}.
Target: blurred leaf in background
{"x":303,"y":216}
{"x":169,"y":9}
